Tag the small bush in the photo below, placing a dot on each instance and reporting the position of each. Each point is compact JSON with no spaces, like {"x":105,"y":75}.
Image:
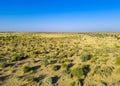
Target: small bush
{"x":76,"y":83}
{"x":85,"y":69}
{"x":77,"y":72}
{"x":105,"y":71}
{"x":36,"y":52}
{"x":45,"y":62}
{"x":117,"y":61}
{"x":31,"y":78}
{"x":101,"y":84}
{"x":70,"y":54}
{"x":67,"y":73}
{"x":56,"y":67}
{"x":85,"y":57}
{"x":72,"y":84}
{"x":117,"y":71}
{"x":62,"y":55}
{"x":18,"y":57}
{"x":65,"y":65}
{"x":27,"y":69}
{"x":65,"y":60}
{"x":48,"y":80}
{"x":3,"y":64}
{"x":116,"y":84}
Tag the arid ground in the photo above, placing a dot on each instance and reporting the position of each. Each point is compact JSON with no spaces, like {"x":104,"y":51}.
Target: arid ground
{"x":60,"y":59}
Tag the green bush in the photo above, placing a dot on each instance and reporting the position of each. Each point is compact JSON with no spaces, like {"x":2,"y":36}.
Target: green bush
{"x":56,"y":67}
{"x":72,"y":84}
{"x":48,"y":80}
{"x":76,"y":83}
{"x":70,"y":54}
{"x":44,"y":62}
{"x":77,"y":72}
{"x":31,"y":78}
{"x":65,"y":65}
{"x":85,"y":57}
{"x":85,"y":69}
{"x":67,"y":73}
{"x":62,"y":55}
{"x":117,"y":62}
{"x":27,"y":69}
{"x":18,"y":57}
{"x":105,"y":71}
{"x":116,"y":84}
{"x":3,"y":64}
{"x":36,"y":52}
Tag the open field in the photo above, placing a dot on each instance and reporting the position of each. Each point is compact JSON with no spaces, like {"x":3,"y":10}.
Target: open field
{"x":60,"y":59}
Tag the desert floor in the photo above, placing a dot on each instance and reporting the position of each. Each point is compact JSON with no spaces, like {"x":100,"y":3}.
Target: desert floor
{"x":60,"y":59}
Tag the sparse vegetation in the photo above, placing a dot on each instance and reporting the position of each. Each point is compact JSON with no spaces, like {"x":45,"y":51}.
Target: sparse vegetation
{"x":48,"y":80}
{"x":84,"y":59}
{"x":75,"y":83}
{"x":101,"y":84}
{"x":3,"y":63}
{"x":18,"y":57}
{"x":117,"y":61}
{"x":116,"y":84}
{"x":56,"y":67}
{"x":27,"y":69}
{"x":44,"y":62}
{"x":77,"y":72}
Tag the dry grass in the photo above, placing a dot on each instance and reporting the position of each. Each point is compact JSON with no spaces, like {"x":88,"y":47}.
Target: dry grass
{"x":55,"y":58}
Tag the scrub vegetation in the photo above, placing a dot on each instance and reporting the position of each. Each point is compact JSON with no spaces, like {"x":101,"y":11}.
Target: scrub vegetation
{"x":59,"y":59}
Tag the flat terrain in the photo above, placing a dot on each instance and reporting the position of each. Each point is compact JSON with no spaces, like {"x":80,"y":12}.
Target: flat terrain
{"x":60,"y":59}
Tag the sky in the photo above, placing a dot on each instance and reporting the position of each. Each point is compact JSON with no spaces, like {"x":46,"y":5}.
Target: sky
{"x":60,"y":15}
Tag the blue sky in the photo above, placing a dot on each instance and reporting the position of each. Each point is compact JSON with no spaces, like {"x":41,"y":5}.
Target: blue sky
{"x":60,"y":15}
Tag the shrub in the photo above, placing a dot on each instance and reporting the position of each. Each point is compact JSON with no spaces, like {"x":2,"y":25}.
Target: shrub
{"x":62,"y":55}
{"x":85,"y":57}
{"x":85,"y":69}
{"x":65,"y":65}
{"x":3,"y":64}
{"x":105,"y":71}
{"x":101,"y":84}
{"x":76,"y":83}
{"x":18,"y":57}
{"x":48,"y":80}
{"x":72,"y":84}
{"x":117,"y":71}
{"x":117,"y":61}
{"x":70,"y":54}
{"x":45,"y":62}
{"x":65,"y":60}
{"x":116,"y":84}
{"x":77,"y":72}
{"x":56,"y":67}
{"x":67,"y":73}
{"x":27,"y":69}
{"x":31,"y":78}
{"x":36,"y":52}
